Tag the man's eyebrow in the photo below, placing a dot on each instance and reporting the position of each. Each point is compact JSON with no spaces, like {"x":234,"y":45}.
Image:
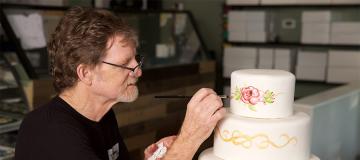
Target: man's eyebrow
{"x":127,"y":61}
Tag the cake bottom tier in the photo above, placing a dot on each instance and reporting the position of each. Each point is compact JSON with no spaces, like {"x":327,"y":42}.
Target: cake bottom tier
{"x":208,"y":154}
{"x":258,"y":139}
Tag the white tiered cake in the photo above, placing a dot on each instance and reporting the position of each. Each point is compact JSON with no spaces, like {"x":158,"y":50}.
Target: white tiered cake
{"x":261,"y":124}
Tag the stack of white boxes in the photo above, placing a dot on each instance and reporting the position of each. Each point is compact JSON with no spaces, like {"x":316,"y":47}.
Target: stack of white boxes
{"x":283,"y":59}
{"x":308,"y":2}
{"x":316,"y":27}
{"x":278,"y":2}
{"x":242,"y":2}
{"x":345,"y":33}
{"x":344,"y":66}
{"x":311,"y":65}
{"x":236,"y":58}
{"x":284,"y":2}
{"x":256,"y":26}
{"x":247,"y":26}
{"x":345,"y":1}
{"x":266,"y":58}
{"x":237,"y":26}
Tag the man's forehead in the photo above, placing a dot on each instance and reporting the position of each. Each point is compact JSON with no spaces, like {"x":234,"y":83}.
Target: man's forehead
{"x":119,"y":50}
{"x":120,"y":40}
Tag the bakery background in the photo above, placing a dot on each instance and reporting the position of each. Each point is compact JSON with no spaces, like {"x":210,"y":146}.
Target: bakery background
{"x":317,"y":40}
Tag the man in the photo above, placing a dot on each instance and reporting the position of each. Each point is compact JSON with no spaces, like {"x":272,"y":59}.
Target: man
{"x":94,"y":65}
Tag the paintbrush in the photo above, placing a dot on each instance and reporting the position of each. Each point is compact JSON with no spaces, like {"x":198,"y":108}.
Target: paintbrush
{"x":182,"y":96}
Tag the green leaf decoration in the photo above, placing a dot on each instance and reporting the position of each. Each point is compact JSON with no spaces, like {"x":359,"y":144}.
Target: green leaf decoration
{"x":251,"y":107}
{"x":237,"y":94}
{"x":269,"y":97}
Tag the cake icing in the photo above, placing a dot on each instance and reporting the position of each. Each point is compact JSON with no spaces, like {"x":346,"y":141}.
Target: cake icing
{"x":261,"y":93}
{"x":209,"y":155}
{"x":260,"y":139}
{"x":261,"y":123}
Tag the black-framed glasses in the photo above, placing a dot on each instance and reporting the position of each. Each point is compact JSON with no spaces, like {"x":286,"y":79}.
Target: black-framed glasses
{"x":139,"y":58}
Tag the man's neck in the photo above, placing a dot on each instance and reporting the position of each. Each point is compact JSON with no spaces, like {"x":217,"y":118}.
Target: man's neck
{"x":90,"y":106}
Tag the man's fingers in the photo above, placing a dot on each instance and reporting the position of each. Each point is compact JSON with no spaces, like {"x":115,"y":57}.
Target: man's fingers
{"x":168,"y":141}
{"x":200,"y":95}
{"x":212,"y":104}
{"x":150,"y":150}
{"x":218,"y":115}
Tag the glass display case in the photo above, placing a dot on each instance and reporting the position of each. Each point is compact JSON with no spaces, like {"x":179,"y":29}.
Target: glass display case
{"x":13,"y":103}
{"x":166,"y":37}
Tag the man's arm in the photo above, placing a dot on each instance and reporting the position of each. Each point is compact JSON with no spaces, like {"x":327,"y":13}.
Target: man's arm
{"x":204,"y":110}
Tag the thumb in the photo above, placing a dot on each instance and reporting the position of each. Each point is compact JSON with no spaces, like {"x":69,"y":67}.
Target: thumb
{"x":149,"y":151}
{"x":168,"y":141}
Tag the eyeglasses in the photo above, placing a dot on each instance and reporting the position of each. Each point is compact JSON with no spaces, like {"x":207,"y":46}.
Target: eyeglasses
{"x":138,"y":58}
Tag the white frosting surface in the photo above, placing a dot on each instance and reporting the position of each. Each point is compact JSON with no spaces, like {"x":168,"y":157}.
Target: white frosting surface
{"x":209,"y":155}
{"x":259,"y":139}
{"x":262,"y":93}
{"x":261,"y":124}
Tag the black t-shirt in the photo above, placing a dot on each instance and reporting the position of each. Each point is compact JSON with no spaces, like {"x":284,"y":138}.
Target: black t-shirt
{"x":57,"y":132}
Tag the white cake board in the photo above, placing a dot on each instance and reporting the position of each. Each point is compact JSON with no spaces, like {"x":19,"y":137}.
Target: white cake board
{"x":209,"y":155}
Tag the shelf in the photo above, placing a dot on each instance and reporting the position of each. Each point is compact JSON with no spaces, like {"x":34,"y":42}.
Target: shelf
{"x":6,"y":152}
{"x":291,"y":44}
{"x":9,"y":123}
{"x":312,"y":6}
{"x":282,"y":38}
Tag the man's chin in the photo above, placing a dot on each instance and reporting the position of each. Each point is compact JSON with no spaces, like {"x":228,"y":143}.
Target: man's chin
{"x":131,"y":97}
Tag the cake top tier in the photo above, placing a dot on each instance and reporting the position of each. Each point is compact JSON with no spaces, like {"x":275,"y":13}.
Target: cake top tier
{"x":260,"y":73}
{"x":261,"y":93}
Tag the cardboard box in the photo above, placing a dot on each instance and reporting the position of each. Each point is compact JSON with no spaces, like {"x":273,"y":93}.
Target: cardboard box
{"x":265,"y":67}
{"x":247,"y":50}
{"x":285,"y":68}
{"x":228,"y":69}
{"x":345,"y":1}
{"x":318,"y":27}
{"x":343,"y":74}
{"x":283,"y":59}
{"x":255,"y":16}
{"x":256,"y":36}
{"x":240,"y":57}
{"x":313,"y":73}
{"x":237,"y":36}
{"x":237,"y":26}
{"x":242,"y":2}
{"x":347,"y":38}
{"x":237,"y":16}
{"x":345,"y":27}
{"x":313,"y":2}
{"x":255,"y":26}
{"x":278,"y":2}
{"x":311,"y":59}
{"x":240,"y":62}
{"x":316,"y":16}
{"x":315,"y":37}
{"x":342,"y":58}
{"x":266,"y":58}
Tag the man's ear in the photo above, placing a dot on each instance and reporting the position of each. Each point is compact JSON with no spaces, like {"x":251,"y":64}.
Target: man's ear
{"x":84,"y":73}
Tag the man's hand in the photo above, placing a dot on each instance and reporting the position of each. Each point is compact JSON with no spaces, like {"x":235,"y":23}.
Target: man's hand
{"x":149,"y":151}
{"x":204,"y":110}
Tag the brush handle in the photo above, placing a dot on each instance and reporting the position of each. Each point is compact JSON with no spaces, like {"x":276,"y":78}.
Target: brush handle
{"x":181,"y":96}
